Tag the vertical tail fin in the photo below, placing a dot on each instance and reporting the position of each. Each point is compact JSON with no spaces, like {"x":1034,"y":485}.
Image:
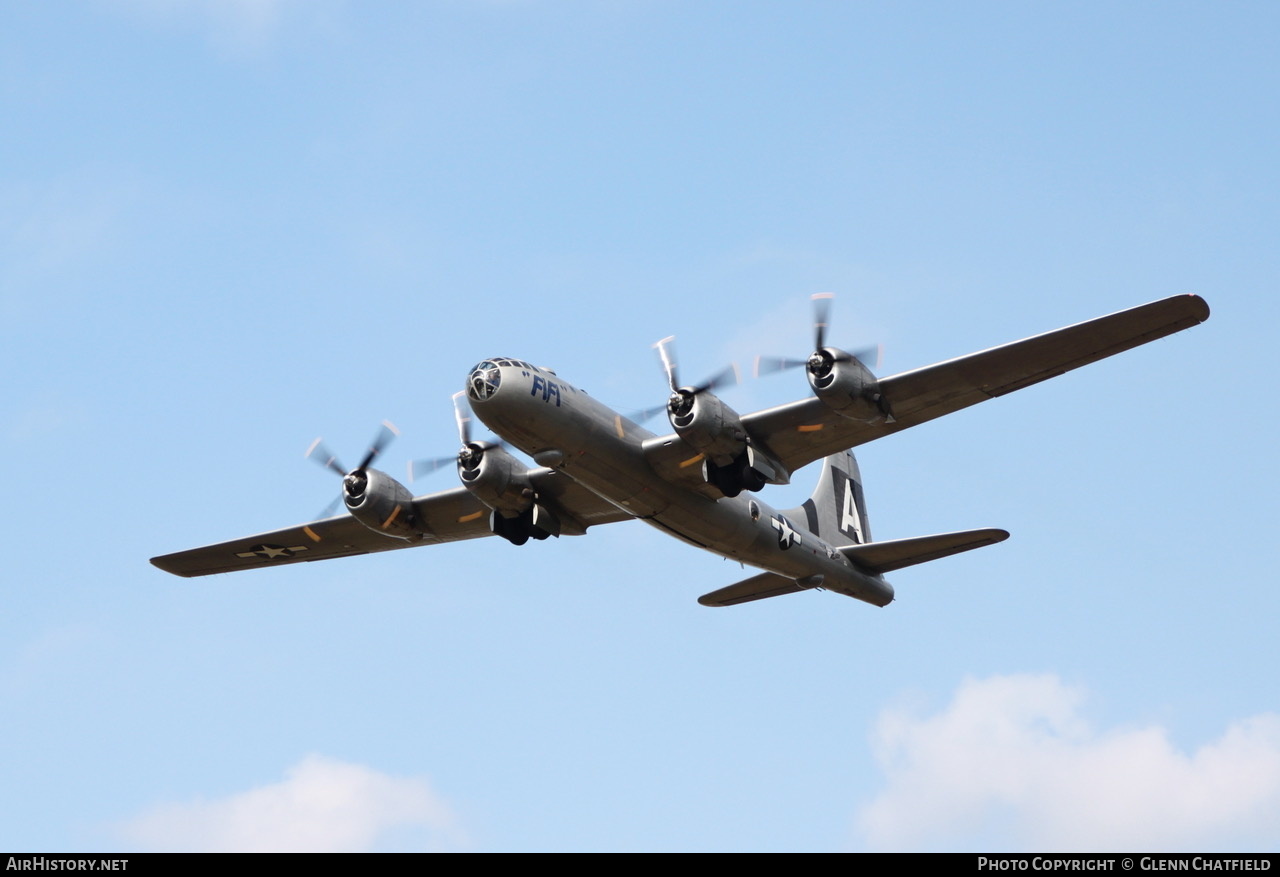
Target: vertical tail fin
{"x":837,"y":511}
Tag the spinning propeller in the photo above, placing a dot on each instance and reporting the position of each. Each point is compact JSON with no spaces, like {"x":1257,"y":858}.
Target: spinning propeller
{"x":681,"y":400}
{"x":820,"y":362}
{"x":468,"y":456}
{"x":355,"y":480}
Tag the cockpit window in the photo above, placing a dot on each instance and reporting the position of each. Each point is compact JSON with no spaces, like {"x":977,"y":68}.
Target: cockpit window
{"x":484,"y":381}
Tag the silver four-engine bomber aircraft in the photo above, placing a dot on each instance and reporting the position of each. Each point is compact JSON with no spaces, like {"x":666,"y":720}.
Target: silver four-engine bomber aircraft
{"x":699,"y":484}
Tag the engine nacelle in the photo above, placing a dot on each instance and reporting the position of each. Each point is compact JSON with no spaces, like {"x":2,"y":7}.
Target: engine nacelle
{"x":501,"y":482}
{"x":710,"y":426}
{"x":847,"y":386}
{"x":381,"y":503}
{"x":496,"y":478}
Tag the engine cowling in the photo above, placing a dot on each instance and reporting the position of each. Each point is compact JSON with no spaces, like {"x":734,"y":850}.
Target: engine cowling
{"x":501,"y":482}
{"x":381,"y":503}
{"x":731,"y":464}
{"x":846,"y":386}
{"x":708,"y":425}
{"x":496,"y":478}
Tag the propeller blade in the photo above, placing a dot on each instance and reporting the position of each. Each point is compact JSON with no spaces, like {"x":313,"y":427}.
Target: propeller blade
{"x":320,"y":452}
{"x":462,"y":415}
{"x":380,"y":441}
{"x":421,"y":468}
{"x":330,"y":508}
{"x":870,"y":356}
{"x":727,"y":375}
{"x":821,"y":318}
{"x":767,"y":365}
{"x":682,"y":397}
{"x":647,"y":414}
{"x":668,"y":361}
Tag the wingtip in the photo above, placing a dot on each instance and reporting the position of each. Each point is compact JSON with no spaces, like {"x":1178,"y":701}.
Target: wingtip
{"x":160,"y":564}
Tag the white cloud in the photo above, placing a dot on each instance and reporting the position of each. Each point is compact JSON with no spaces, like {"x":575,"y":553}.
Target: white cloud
{"x":1012,"y":764}
{"x":323,"y":805}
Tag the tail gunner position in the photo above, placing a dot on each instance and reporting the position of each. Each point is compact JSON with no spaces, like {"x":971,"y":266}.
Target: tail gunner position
{"x":700,"y":482}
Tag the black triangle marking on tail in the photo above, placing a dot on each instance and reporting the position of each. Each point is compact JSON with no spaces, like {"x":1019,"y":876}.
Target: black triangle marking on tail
{"x":811,"y":517}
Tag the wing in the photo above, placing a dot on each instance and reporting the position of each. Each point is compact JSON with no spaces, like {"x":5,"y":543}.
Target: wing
{"x":801,"y":432}
{"x":758,"y":587}
{"x":448,"y":516}
{"x":882,"y":557}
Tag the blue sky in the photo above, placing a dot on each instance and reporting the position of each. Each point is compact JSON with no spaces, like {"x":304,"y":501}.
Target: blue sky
{"x":226,"y":228}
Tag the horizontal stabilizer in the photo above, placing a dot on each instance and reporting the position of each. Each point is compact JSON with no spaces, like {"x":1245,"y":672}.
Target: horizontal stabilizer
{"x":766,"y":584}
{"x":883,"y":557}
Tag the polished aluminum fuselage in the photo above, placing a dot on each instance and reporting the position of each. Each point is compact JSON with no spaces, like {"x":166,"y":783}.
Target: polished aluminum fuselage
{"x":564,"y":428}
